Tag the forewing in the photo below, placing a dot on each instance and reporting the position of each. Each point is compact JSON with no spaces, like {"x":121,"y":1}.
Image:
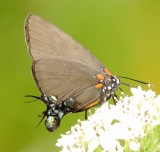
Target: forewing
{"x":44,"y":40}
{"x":66,"y":78}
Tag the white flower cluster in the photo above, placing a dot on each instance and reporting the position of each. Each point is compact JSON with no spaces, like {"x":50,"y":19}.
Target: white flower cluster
{"x":115,"y":128}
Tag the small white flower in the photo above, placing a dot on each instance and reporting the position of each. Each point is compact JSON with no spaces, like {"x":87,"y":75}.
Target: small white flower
{"x":125,"y":126}
{"x":134,"y":146}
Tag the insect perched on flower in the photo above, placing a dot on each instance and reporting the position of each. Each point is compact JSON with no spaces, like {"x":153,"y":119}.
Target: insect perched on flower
{"x":68,"y":76}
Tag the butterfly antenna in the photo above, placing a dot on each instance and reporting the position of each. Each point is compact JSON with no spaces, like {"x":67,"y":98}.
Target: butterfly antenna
{"x":132,"y":80}
{"x":128,"y":84}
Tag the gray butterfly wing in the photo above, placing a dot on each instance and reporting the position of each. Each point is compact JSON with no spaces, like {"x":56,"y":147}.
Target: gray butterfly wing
{"x":44,"y":40}
{"x":66,"y":78}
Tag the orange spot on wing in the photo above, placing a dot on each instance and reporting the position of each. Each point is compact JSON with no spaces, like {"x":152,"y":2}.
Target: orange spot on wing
{"x":107,"y":71}
{"x":99,"y":86}
{"x":91,"y":104}
{"x":100,"y":77}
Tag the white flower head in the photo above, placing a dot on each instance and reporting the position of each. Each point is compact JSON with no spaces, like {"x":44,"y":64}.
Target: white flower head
{"x":117,"y":128}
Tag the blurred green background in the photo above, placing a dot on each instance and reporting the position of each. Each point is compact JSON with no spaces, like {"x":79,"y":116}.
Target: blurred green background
{"x":122,"y":34}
